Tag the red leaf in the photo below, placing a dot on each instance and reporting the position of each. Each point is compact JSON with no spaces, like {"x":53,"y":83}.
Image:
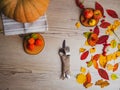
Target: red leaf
{"x":79,"y":4}
{"x":103,"y":74}
{"x":96,"y":57}
{"x":99,"y":7}
{"x":104,"y":24}
{"x":96,"y":30}
{"x":102,"y":39}
{"x":112,"y":13}
{"x":84,"y":55}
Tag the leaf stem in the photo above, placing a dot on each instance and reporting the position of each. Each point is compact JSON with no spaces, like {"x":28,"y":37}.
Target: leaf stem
{"x":116,"y":36}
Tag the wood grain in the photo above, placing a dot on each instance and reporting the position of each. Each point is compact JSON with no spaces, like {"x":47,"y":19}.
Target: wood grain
{"x":20,"y":71}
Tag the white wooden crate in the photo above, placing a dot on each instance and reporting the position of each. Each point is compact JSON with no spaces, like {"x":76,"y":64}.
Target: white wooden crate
{"x":12,"y":27}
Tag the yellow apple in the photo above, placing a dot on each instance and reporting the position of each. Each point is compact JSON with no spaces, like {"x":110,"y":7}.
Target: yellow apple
{"x":92,"y":22}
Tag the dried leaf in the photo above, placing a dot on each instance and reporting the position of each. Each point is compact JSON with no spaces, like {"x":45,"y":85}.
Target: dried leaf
{"x":112,"y":13}
{"x":83,"y":69}
{"x":88,"y":85}
{"x":103,"y":74}
{"x":81,"y":78}
{"x":82,"y":50}
{"x":84,"y":55}
{"x":109,"y":67}
{"x":102,"y":39}
{"x":113,"y":43}
{"x":87,"y":34}
{"x":79,"y":4}
{"x":95,"y":64}
{"x":96,"y":30}
{"x":102,"y":83}
{"x":103,"y":61}
{"x":96,"y":57}
{"x":88,"y":77}
{"x":114,"y":76}
{"x":115,"y":67}
{"x":89,"y":63}
{"x":98,"y":6}
{"x":104,"y":24}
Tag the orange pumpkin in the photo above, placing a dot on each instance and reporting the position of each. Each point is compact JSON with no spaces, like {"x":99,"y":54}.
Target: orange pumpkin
{"x":24,"y":10}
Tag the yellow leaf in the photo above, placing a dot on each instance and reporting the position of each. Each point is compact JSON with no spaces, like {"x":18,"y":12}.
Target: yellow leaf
{"x":109,"y":67}
{"x":81,"y":78}
{"x":102,"y":61}
{"x":118,"y":46}
{"x":82,"y":50}
{"x":83,"y":69}
{"x":113,"y":43}
{"x":114,"y":76}
{"x":118,"y":53}
{"x":114,"y":57}
{"x":109,"y":57}
{"x":77,"y":24}
{"x":86,"y":43}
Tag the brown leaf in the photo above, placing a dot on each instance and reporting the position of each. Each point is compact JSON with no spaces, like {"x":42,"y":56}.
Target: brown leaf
{"x":103,"y":74}
{"x":99,"y":7}
{"x":104,"y":24}
{"x":96,"y":30}
{"x":112,"y":13}
{"x":115,"y":67}
{"x":102,"y":39}
{"x":84,"y":55}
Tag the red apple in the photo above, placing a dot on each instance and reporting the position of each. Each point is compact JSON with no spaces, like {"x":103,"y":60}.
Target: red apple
{"x":38,"y":42}
{"x":88,"y":13}
{"x":97,"y":14}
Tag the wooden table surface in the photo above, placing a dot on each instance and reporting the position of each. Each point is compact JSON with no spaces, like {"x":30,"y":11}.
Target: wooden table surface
{"x":20,"y":71}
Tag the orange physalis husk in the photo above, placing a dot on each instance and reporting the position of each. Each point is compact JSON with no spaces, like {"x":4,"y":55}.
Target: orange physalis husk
{"x":115,"y":67}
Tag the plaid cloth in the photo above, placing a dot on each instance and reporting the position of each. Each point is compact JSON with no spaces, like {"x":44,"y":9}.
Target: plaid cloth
{"x":12,"y":27}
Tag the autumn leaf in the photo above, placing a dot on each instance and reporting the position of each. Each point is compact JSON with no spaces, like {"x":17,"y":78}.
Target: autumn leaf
{"x":95,"y":64}
{"x":103,"y":74}
{"x":88,"y":77}
{"x":113,"y":43}
{"x":89,"y":63}
{"x":87,"y":34}
{"x":102,"y":39}
{"x":98,"y":6}
{"x":115,"y":67}
{"x":84,"y":55}
{"x":112,"y":13}
{"x":114,"y":76}
{"x":96,"y":30}
{"x":104,"y":24}
{"x":96,"y":57}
